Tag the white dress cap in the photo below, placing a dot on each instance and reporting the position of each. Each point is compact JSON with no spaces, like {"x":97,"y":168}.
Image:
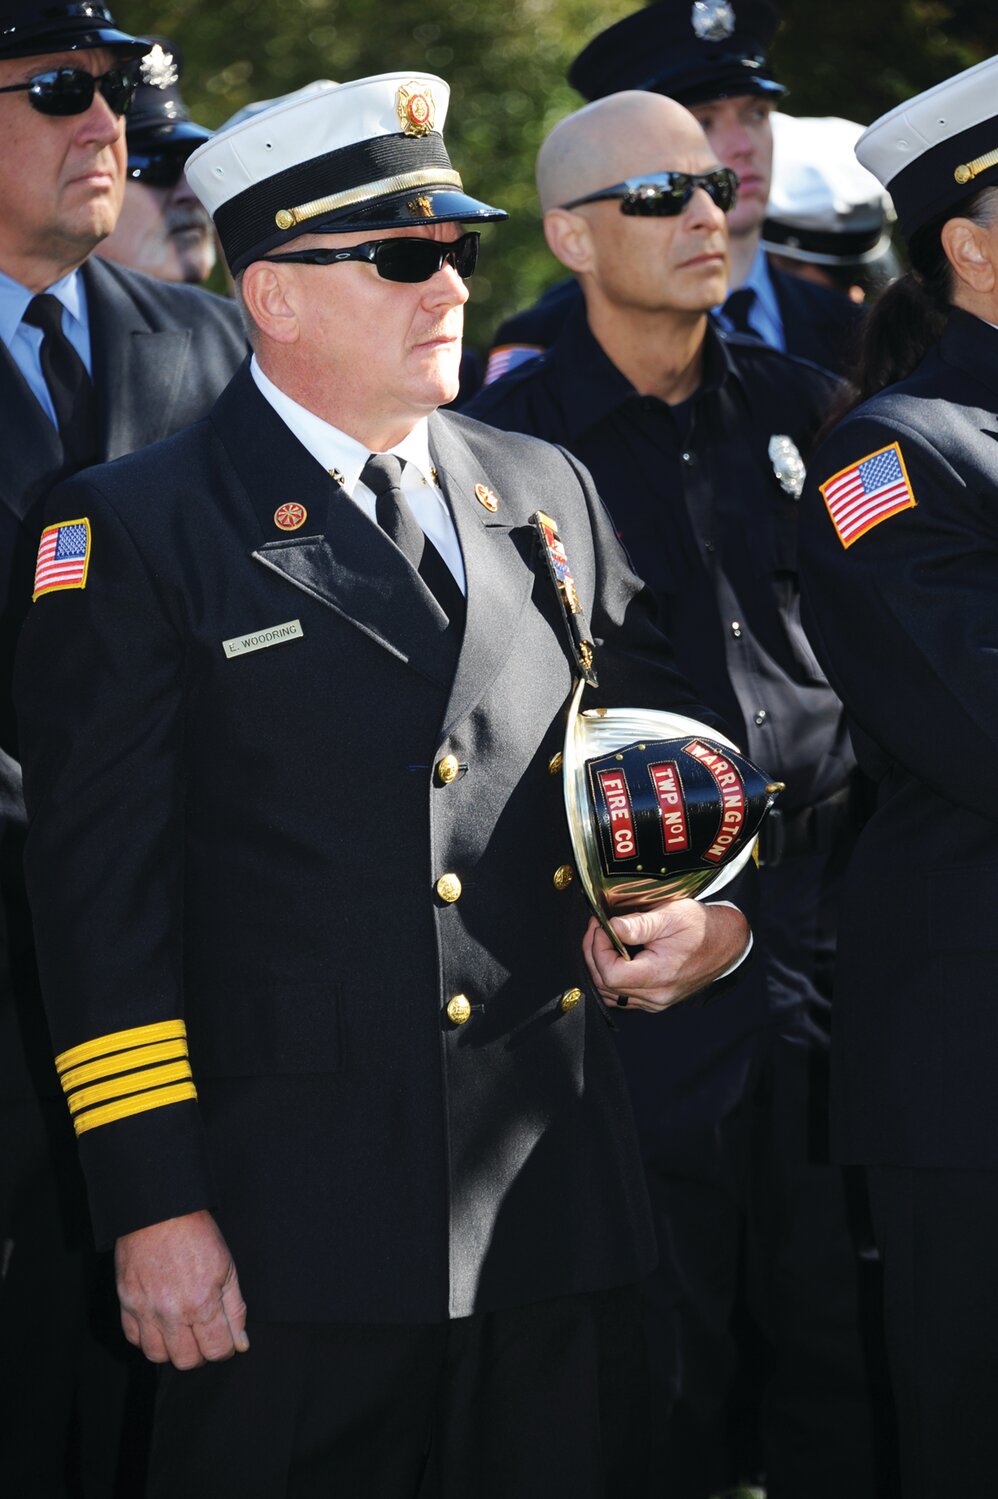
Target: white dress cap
{"x":824,"y":207}
{"x":939,"y":147}
{"x":332,"y":158}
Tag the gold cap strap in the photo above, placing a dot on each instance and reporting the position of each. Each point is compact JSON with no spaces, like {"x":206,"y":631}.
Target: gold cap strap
{"x":971,"y":169}
{"x":288,"y":218}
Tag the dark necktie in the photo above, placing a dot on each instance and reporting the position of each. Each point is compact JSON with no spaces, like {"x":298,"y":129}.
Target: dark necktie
{"x":69,"y":385}
{"x":737,"y":308}
{"x":383,"y":476}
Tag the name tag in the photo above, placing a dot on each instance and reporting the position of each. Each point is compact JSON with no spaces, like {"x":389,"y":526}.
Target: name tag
{"x":241,"y":645}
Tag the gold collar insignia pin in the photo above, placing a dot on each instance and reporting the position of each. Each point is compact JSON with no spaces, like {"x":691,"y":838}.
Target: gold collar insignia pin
{"x":290,"y":517}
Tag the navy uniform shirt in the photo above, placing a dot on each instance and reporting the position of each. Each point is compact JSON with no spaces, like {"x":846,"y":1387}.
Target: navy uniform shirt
{"x":695,"y":499}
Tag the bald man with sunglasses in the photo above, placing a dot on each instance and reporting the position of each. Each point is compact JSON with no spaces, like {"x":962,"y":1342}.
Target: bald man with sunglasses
{"x":697,"y":441}
{"x":94,"y":362}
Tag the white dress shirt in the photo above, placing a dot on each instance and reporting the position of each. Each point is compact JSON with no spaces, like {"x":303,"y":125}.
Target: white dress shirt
{"x":344,"y":457}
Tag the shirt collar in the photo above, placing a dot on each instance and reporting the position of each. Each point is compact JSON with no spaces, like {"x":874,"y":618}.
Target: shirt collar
{"x":14,"y":300}
{"x":760,"y":281}
{"x":339,"y":453}
{"x":592,"y":385}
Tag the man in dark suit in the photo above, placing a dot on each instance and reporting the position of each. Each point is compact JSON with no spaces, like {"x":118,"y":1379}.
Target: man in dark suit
{"x":94,"y":362}
{"x":712,"y":58}
{"x":344,"y":1059}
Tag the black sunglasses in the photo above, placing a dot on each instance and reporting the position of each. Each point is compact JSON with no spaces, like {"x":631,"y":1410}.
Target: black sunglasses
{"x":70,"y":91}
{"x":399,"y":259}
{"x":666,"y":194}
{"x":157,"y":168}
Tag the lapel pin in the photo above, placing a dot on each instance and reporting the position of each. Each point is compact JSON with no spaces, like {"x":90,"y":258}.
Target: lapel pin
{"x":334,"y":473}
{"x":487,"y":497}
{"x":291,"y":516}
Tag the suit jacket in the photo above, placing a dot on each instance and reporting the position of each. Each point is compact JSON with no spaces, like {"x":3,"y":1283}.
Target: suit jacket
{"x":251,"y":844}
{"x":161,"y":354}
{"x":905,"y":619}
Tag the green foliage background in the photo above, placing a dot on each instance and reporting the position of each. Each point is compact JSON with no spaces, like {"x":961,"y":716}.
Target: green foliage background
{"x":506,"y":65}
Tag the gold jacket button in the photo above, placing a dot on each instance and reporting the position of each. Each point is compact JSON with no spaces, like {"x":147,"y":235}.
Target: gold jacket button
{"x":563,"y":876}
{"x":569,"y":1000}
{"x":555,"y":763}
{"x":459,"y":1009}
{"x":447,"y":769}
{"x":449,"y":888}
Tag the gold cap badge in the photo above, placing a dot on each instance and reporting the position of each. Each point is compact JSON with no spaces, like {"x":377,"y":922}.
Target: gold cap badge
{"x":291,"y":516}
{"x":487,"y":497}
{"x":415,"y":108}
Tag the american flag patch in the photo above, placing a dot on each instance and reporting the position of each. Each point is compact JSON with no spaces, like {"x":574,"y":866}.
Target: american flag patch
{"x":506,"y":357}
{"x":868,"y":492}
{"x":63,"y":557}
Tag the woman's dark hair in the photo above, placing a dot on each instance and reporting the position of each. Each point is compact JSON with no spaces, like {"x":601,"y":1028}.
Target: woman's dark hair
{"x":909,"y":317}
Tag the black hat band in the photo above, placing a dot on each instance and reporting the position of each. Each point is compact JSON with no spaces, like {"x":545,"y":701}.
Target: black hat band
{"x":830,"y":246}
{"x":341,"y":179}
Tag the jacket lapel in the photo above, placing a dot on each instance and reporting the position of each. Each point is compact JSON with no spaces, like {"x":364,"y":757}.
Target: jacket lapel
{"x":498,"y":565}
{"x":339,"y":557}
{"x":138,"y":371}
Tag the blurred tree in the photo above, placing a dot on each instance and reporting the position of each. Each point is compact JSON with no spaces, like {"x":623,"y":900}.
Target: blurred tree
{"x":506,"y":65}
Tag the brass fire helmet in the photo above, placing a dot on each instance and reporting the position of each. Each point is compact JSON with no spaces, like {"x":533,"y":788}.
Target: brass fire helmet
{"x":659,"y":807}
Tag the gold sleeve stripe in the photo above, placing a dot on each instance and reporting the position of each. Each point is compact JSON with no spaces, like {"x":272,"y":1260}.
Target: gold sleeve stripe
{"x":139,"y":1056}
{"x":102,"y":1046}
{"x":133,"y":1082}
{"x":139,"y":1103}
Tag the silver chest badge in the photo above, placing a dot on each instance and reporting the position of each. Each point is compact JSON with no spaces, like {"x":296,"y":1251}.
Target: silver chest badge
{"x":713,"y":20}
{"x":788,"y":465}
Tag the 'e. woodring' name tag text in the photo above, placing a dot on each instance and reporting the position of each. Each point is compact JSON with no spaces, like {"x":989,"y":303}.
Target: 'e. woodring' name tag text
{"x":241,"y":645}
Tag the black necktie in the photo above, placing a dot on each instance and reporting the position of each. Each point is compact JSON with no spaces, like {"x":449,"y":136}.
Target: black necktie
{"x":383,"y":476}
{"x":70,"y":387}
{"x":737,"y":308}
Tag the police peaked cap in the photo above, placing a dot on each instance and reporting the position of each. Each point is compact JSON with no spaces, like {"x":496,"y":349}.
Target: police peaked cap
{"x":32,"y":30}
{"x":330,"y":159}
{"x":692,"y":50}
{"x":938,"y":149}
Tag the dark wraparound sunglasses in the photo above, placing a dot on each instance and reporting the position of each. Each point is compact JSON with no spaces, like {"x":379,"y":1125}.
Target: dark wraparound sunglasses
{"x":666,"y":194}
{"x":399,"y":259}
{"x":70,"y":91}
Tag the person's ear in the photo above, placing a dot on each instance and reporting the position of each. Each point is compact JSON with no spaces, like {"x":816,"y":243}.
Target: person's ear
{"x":972,"y":251}
{"x":271,"y":299}
{"x":570,"y":239}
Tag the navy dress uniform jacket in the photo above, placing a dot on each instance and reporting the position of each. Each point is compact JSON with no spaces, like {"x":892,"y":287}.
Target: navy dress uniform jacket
{"x":251,"y":844}
{"x":905,"y":619}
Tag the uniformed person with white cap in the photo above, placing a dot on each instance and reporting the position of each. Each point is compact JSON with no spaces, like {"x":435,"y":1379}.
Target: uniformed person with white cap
{"x":293,"y":694}
{"x":901,"y":592}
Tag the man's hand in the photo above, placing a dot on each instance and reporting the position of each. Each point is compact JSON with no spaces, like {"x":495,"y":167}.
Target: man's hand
{"x":179,"y":1293}
{"x":685,"y":946}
